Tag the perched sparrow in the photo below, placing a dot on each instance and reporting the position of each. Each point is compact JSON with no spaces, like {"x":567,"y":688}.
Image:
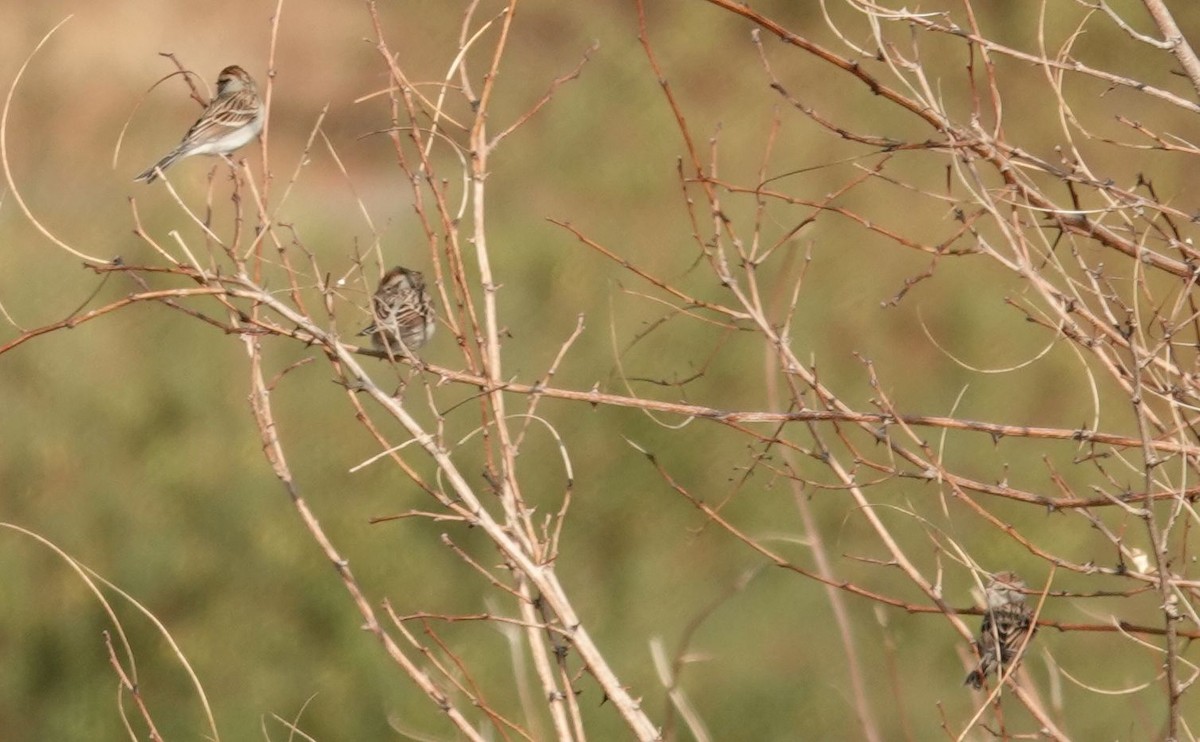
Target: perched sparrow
{"x":232,"y":119}
{"x":404,"y":316}
{"x":1006,"y":622}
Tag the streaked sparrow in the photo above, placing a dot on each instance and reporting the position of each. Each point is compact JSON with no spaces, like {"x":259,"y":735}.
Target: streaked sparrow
{"x":232,"y":120}
{"x":403,"y":311}
{"x":1006,"y":623}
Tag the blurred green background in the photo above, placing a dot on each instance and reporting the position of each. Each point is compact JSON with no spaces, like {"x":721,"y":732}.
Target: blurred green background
{"x":128,"y":442}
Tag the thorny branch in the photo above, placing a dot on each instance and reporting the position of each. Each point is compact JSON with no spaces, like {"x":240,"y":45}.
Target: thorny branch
{"x":1103,"y":274}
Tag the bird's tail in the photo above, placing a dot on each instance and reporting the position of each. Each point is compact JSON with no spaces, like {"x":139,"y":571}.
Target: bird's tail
{"x":974,"y":679}
{"x":151,"y":174}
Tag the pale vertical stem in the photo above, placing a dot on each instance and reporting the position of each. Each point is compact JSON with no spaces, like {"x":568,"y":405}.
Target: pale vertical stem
{"x":1160,"y":545}
{"x":510,"y":497}
{"x":816,"y":547}
{"x":267,"y":96}
{"x":1184,"y":54}
{"x":480,"y":150}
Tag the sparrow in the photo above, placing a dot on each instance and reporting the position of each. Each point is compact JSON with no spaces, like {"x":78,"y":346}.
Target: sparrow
{"x":1006,"y":622}
{"x":403,"y":312}
{"x":232,"y":119}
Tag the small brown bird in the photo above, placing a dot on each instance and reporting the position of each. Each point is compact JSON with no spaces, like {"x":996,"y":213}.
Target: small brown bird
{"x":403,"y":311}
{"x":1006,"y":623}
{"x":232,"y":119}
